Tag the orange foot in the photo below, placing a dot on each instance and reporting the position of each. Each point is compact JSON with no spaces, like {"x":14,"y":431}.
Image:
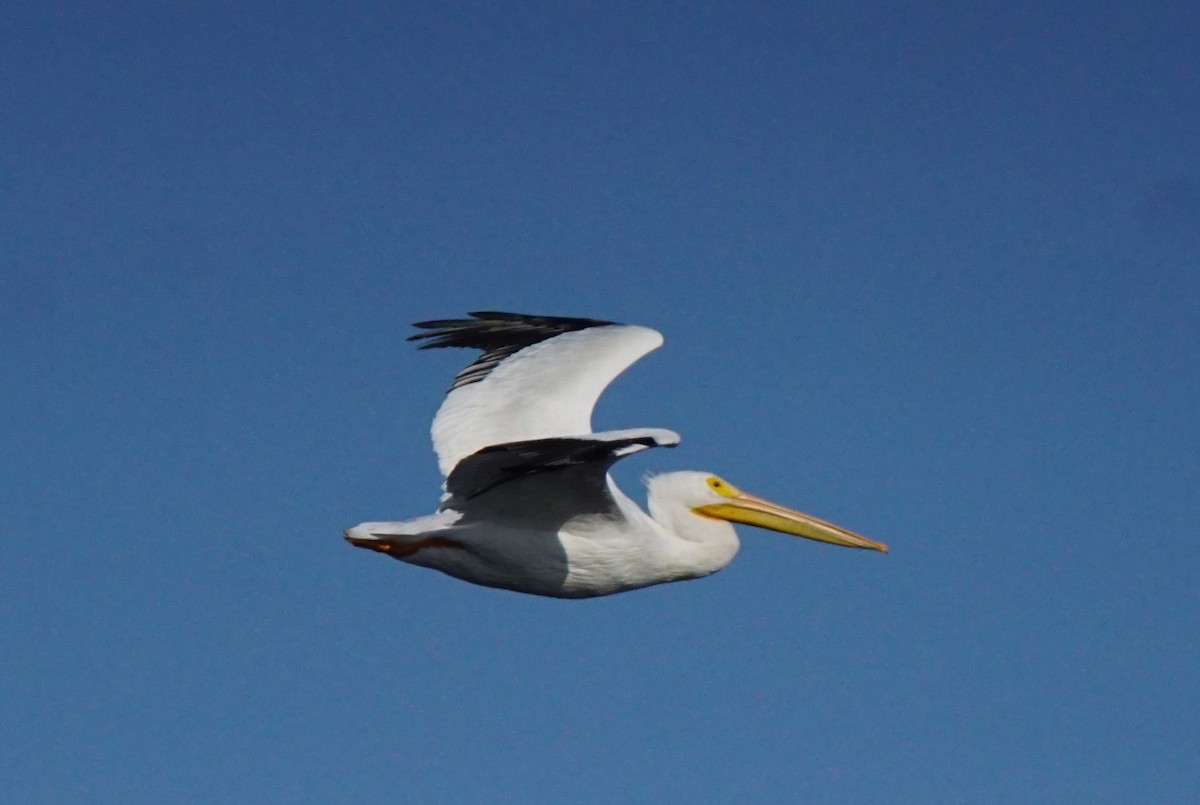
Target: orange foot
{"x":402,"y":550}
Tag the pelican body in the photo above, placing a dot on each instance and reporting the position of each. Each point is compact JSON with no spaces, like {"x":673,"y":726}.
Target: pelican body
{"x":528,"y":501}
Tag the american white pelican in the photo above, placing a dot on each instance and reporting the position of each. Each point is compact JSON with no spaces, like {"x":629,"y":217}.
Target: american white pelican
{"x":528,"y":503}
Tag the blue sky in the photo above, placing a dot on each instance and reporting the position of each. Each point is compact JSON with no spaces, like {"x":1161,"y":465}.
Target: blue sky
{"x":930,"y":272}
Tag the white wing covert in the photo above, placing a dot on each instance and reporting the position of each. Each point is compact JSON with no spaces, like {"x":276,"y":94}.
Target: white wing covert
{"x":539,"y":377}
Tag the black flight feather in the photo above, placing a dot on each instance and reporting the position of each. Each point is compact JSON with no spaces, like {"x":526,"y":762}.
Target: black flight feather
{"x":500,"y":463}
{"x":499,"y":335}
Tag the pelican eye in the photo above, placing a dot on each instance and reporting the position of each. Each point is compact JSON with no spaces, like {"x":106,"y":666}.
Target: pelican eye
{"x":721,"y":487}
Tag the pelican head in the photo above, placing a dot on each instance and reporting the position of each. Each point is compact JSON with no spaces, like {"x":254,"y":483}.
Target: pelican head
{"x":711,"y":497}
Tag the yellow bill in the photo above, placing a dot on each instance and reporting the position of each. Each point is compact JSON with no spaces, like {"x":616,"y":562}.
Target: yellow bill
{"x":739,"y":507}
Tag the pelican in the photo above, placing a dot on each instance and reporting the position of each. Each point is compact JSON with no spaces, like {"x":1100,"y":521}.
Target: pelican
{"x":528,"y":504}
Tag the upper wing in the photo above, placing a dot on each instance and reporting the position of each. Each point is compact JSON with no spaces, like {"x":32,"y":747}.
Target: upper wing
{"x":539,"y":377}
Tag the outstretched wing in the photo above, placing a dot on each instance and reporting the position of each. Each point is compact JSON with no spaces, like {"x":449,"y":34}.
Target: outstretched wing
{"x":501,"y":463}
{"x":538,"y":378}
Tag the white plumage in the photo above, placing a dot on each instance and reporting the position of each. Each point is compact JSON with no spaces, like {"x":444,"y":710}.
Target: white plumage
{"x":546,"y":389}
{"x":528,"y":503}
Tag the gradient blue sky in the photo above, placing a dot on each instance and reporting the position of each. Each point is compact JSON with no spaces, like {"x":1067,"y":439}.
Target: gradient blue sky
{"x":930,"y":271}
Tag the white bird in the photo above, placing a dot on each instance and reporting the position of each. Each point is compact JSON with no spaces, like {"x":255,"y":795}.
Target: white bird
{"x":528,"y":503}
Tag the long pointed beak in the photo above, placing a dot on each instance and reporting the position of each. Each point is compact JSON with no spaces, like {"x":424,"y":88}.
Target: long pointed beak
{"x":751,"y":510}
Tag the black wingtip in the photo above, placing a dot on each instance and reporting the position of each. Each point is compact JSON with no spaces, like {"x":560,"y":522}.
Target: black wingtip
{"x":497,"y":333}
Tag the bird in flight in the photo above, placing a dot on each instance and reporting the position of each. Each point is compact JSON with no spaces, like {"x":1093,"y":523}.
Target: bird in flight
{"x":528,"y":504}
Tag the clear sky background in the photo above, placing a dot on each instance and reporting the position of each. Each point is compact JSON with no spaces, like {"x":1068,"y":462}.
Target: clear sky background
{"x":930,"y":271}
